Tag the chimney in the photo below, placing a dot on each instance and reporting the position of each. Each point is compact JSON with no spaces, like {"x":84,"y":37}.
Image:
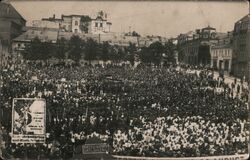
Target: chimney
{"x":54,"y":16}
{"x":198,"y":31}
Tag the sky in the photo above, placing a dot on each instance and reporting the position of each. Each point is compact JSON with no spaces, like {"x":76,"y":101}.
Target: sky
{"x":167,"y":19}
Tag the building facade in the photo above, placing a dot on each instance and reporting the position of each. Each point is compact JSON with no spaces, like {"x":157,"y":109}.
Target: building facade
{"x":241,"y":48}
{"x":221,"y":53}
{"x":221,"y":57}
{"x":11,"y":22}
{"x":45,"y":24}
{"x":77,"y":23}
{"x":43,"y":34}
{"x":99,"y":25}
{"x":194,"y":47}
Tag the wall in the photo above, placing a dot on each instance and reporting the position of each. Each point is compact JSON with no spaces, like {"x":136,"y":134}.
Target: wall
{"x":67,"y":22}
{"x":45,"y":24}
{"x":241,"y":47}
{"x":76,"y":24}
{"x":221,"y":55}
{"x":11,"y":22}
{"x":99,"y":29}
{"x":5,"y":29}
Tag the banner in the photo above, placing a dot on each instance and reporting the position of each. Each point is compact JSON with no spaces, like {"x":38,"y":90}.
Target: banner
{"x":226,"y":157}
{"x":28,"y":120}
{"x":95,"y":148}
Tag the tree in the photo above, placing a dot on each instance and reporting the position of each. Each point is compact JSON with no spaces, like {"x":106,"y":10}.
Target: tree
{"x":169,"y":50}
{"x":113,"y":52}
{"x":38,"y":50}
{"x":120,"y":53}
{"x":92,"y":50}
{"x":84,"y":23}
{"x":48,"y":49}
{"x":145,"y":55}
{"x":105,"y":52}
{"x":75,"y":48}
{"x":61,"y":48}
{"x":131,"y":53}
{"x":135,"y":34}
{"x":156,"y":50}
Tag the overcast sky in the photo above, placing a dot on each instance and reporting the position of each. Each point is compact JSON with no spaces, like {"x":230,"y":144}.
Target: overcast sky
{"x":148,"y":18}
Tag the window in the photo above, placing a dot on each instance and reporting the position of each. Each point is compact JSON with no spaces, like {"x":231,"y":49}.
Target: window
{"x":76,"y":30}
{"x":100,"y":24}
{"x":76,"y":23}
{"x":96,"y":24}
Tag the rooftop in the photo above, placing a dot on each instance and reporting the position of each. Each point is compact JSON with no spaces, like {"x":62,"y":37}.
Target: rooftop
{"x":42,"y":34}
{"x":8,"y":11}
{"x":208,"y":28}
{"x":245,"y":18}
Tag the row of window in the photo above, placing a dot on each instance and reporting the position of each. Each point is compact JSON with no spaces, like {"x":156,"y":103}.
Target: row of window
{"x":100,"y":24}
{"x":221,"y":52}
{"x":219,"y":65}
{"x":241,"y":26}
{"x":193,"y":50}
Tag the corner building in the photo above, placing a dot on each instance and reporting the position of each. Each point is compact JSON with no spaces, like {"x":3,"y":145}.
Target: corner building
{"x":241,"y":48}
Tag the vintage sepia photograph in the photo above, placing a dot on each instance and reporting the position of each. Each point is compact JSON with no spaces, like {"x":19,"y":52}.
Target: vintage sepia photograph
{"x":124,"y":80}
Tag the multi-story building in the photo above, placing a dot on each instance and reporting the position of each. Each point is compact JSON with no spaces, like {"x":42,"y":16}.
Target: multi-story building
{"x":221,"y":53}
{"x":45,"y":24}
{"x":194,"y":47}
{"x":99,"y":25}
{"x":11,"y":22}
{"x":241,"y":48}
{"x":44,"y":34}
{"x":77,"y":23}
{"x":11,"y":26}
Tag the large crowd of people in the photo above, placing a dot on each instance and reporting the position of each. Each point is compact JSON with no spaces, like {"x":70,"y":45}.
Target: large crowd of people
{"x":143,"y":111}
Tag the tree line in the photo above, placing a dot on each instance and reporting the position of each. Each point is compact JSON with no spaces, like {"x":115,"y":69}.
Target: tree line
{"x":76,"y":48}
